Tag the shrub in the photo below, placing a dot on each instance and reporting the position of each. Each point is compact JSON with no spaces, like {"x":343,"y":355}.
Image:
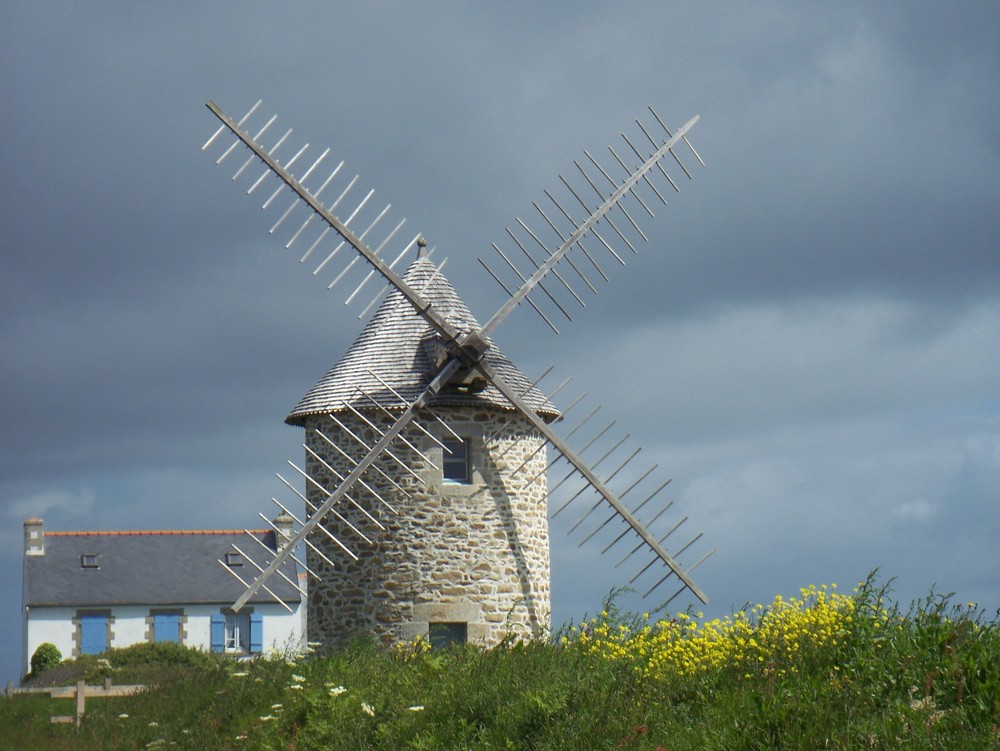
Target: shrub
{"x":159,"y":654}
{"x":45,"y":657}
{"x":148,"y":662}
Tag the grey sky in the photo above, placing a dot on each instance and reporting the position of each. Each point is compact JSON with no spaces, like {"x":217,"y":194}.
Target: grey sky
{"x":807,"y":345}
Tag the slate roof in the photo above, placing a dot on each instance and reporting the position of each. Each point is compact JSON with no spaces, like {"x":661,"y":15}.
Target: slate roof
{"x":147,"y":568}
{"x":393,"y":345}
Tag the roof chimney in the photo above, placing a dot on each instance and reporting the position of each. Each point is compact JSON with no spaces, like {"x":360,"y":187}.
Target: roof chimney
{"x":34,"y":537}
{"x":283,"y":525}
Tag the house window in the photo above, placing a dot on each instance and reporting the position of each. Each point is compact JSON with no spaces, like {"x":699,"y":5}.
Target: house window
{"x":237,"y":633}
{"x":456,"y":466}
{"x":167,"y":627}
{"x":234,"y":559}
{"x":89,"y":560}
{"x":93,"y":633}
{"x":441,"y":635}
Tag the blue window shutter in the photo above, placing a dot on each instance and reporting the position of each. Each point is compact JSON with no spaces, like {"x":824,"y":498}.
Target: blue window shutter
{"x":218,"y":632}
{"x":93,"y":634}
{"x":256,"y":632}
{"x":166,"y":627}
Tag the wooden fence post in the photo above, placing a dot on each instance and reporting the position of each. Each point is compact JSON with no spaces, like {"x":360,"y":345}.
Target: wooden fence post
{"x":81,"y":698}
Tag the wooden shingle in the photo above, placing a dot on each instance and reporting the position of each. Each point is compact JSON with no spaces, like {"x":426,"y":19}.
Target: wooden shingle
{"x":394,"y":346}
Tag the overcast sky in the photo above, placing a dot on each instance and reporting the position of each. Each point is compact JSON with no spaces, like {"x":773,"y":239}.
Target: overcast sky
{"x":808,"y":344}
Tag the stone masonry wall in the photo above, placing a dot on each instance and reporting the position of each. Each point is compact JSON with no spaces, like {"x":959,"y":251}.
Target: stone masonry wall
{"x":474,"y":553}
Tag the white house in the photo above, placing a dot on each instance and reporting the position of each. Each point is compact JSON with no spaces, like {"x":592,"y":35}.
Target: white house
{"x":87,"y":592}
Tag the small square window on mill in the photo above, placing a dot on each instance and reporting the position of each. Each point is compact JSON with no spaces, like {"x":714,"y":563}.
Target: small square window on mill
{"x":89,"y":560}
{"x":442,"y":635}
{"x":455,"y":460}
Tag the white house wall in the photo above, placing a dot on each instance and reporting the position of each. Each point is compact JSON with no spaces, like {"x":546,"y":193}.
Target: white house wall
{"x":53,"y":625}
{"x":282,"y":631}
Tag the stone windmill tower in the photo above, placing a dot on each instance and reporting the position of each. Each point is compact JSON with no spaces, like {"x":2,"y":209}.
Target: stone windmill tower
{"x":465,"y":554}
{"x":426,"y":493}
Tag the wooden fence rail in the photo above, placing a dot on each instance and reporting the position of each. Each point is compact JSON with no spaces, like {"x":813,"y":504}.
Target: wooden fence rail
{"x":80,"y":692}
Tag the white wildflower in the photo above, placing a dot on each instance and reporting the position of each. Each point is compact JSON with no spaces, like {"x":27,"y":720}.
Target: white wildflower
{"x":295,"y":687}
{"x":297,"y":678}
{"x":267,"y":717}
{"x":337,"y":690}
{"x":123,"y":716}
{"x":154,"y":724}
{"x":368,"y":709}
{"x":242,"y":674}
{"x":276,"y":706}
{"x":417,"y":708}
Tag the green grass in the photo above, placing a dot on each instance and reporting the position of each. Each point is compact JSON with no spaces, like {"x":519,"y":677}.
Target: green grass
{"x":858,"y":675}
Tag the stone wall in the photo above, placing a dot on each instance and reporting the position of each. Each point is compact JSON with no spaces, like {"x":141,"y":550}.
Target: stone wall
{"x":474,"y":553}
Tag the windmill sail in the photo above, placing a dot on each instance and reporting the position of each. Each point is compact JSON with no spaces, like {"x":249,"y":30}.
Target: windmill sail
{"x":465,"y":355}
{"x":578,"y":231}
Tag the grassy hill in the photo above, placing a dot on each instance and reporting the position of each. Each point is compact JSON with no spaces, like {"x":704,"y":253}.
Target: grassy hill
{"x":822,"y":670}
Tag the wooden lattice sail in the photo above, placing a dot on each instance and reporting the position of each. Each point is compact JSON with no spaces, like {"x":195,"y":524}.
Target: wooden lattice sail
{"x":392,"y":418}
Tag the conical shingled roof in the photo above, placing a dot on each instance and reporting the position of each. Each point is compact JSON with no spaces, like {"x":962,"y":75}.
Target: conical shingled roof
{"x":392,"y":345}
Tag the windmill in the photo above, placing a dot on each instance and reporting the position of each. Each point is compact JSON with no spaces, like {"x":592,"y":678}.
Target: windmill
{"x":427,"y":492}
